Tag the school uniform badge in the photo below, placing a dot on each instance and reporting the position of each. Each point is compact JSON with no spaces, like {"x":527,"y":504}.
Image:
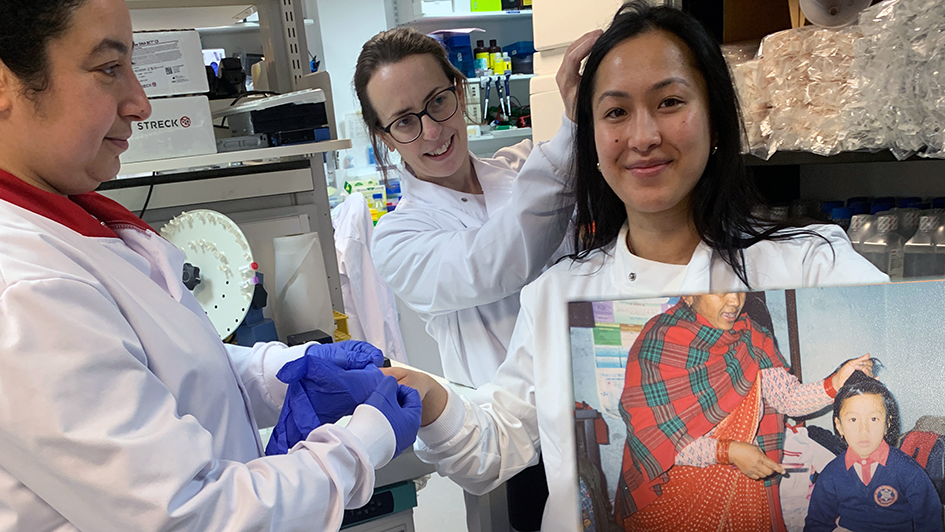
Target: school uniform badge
{"x":885,"y":496}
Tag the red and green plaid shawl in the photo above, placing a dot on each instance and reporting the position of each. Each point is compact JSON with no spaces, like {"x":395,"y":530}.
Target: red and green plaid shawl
{"x":684,"y":377}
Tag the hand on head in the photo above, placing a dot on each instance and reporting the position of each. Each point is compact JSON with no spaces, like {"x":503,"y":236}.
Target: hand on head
{"x":862,"y":363}
{"x":569,"y":74}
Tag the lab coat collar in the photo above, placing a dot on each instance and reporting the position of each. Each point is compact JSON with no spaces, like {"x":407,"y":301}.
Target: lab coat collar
{"x":636,"y":274}
{"x":496,"y":189}
{"x":89,"y":214}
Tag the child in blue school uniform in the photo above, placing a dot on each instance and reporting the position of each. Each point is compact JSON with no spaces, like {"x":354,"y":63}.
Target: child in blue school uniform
{"x":873,"y":485}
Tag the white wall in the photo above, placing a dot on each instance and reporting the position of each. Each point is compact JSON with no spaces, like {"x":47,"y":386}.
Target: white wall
{"x":344,"y":26}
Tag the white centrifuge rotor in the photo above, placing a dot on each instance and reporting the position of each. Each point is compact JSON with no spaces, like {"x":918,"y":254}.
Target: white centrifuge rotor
{"x":227,"y":273}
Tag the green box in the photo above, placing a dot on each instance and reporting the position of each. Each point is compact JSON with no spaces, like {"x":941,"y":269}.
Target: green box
{"x":485,"y":5}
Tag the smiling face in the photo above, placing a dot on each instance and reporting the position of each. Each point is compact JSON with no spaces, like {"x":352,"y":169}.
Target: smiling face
{"x":441,"y":153}
{"x":862,"y":423}
{"x":721,"y":310}
{"x":69,"y":136}
{"x":651,"y":124}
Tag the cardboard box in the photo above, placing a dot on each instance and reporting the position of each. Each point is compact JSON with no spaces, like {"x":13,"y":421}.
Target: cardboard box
{"x":169,"y":63}
{"x":410,"y":10}
{"x":177,"y":127}
{"x":740,"y":20}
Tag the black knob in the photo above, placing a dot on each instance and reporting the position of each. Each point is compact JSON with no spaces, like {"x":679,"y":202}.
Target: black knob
{"x":191,"y":276}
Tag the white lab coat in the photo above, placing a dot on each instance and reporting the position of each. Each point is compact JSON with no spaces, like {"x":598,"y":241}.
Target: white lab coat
{"x":460,"y":260}
{"x":369,"y":301}
{"x":120,"y":408}
{"x":482,"y":442}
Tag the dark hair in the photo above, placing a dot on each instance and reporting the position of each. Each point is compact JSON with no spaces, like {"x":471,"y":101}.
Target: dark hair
{"x":860,"y":383}
{"x":26,"y":27}
{"x":388,"y":47}
{"x":724,"y":197}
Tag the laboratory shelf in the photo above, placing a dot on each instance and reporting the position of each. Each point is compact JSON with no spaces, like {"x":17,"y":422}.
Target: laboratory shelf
{"x":515,"y":77}
{"x":486,"y":145}
{"x":233,"y":157}
{"x":790,"y":158}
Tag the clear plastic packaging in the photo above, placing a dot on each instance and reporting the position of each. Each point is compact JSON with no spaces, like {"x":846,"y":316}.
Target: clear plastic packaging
{"x":807,"y":78}
{"x":901,"y":65}
{"x":876,"y":85}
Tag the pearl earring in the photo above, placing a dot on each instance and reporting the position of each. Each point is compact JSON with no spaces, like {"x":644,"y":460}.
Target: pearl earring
{"x":715,"y":149}
{"x":598,"y":167}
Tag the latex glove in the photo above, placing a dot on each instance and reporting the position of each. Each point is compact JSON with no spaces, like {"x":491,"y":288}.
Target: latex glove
{"x":296,"y":421}
{"x":333,"y":392}
{"x":401,"y":406}
{"x":350,"y":354}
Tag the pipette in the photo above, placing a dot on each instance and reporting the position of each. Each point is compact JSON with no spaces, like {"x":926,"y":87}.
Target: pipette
{"x":508,"y":94}
{"x":498,"y":88}
{"x":487,"y":83}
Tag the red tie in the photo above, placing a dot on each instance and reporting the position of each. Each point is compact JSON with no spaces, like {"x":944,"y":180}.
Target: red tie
{"x":867,"y":465}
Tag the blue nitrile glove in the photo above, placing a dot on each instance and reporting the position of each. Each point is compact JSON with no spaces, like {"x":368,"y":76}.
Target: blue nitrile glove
{"x":350,"y":354}
{"x":401,"y":406}
{"x":331,"y":391}
{"x":296,"y":421}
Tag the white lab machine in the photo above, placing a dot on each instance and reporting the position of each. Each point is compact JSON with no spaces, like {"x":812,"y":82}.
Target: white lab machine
{"x":226,"y":279}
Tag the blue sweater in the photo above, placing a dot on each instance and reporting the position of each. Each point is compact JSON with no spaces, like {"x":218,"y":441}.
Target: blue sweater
{"x":900,"y":496}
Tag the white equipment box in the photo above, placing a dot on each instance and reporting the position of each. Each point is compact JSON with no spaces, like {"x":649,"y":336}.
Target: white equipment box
{"x":178,"y":127}
{"x":169,"y":63}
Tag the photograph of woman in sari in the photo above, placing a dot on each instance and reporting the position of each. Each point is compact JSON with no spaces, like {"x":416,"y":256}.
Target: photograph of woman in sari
{"x":704,"y":400}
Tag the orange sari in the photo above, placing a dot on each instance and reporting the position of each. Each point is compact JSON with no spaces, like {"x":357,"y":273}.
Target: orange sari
{"x":718,"y":498}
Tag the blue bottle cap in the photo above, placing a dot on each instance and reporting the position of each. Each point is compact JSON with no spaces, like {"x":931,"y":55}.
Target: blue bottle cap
{"x":904,"y":202}
{"x":829,"y":206}
{"x":841,"y":213}
{"x":859,"y":207}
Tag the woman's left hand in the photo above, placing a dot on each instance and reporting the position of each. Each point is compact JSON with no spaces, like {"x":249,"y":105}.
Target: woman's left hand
{"x":752,"y":461}
{"x":862,"y":363}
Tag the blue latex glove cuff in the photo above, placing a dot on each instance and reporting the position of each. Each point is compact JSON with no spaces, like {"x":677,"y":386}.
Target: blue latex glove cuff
{"x":402,"y":407}
{"x":350,"y":354}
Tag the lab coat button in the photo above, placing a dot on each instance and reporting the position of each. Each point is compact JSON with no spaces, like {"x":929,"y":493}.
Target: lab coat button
{"x":632,"y":276}
{"x":464,"y":200}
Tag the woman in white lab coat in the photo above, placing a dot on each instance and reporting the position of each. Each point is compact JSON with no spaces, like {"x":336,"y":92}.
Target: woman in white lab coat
{"x":468,"y":233}
{"x":664,"y":208}
{"x":120,"y":408}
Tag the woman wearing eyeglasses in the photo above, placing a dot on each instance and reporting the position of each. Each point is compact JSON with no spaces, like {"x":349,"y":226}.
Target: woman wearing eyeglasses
{"x":468,"y":233}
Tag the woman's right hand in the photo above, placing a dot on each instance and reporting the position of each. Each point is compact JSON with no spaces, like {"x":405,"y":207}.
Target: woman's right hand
{"x":752,"y":461}
{"x":432,"y":394}
{"x":569,"y":73}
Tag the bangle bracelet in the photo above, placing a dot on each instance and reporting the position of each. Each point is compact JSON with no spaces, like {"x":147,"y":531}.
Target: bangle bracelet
{"x":721,"y":452}
{"x":828,"y":387}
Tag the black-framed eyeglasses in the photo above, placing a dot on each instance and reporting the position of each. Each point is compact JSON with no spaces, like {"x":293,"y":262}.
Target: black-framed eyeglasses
{"x":409,"y":127}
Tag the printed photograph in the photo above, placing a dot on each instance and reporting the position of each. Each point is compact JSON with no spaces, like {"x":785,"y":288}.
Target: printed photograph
{"x":801,"y":410}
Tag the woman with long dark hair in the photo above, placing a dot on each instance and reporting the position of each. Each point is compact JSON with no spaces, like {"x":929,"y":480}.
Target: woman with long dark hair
{"x":664,"y":208}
